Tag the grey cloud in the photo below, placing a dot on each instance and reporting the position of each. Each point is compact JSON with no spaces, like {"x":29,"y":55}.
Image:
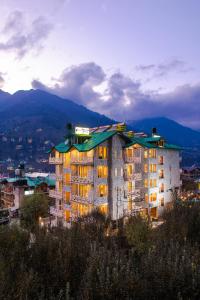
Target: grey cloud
{"x":123,"y":98}
{"x":22,"y":41}
{"x":77,"y":83}
{"x":163,"y":69}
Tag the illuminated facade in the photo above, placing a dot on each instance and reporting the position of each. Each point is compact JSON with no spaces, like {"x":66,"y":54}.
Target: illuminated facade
{"x":117,"y":172}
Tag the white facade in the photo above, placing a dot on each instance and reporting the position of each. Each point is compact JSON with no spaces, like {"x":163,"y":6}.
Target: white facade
{"x":118,"y":179}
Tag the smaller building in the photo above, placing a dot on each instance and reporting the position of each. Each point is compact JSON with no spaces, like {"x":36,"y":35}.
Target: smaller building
{"x":14,"y":189}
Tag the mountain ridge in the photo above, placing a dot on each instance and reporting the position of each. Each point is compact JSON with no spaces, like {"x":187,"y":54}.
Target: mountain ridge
{"x":33,"y":121}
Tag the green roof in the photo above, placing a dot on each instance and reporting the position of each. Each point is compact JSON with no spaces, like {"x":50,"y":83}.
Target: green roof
{"x":141,"y":142}
{"x":94,"y":141}
{"x":62,"y":147}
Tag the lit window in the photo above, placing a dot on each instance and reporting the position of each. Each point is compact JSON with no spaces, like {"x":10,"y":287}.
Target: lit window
{"x":161,"y":143}
{"x":152,"y":153}
{"x":102,"y":190}
{"x":130,"y":186}
{"x":146,"y":197}
{"x":145,"y":168}
{"x":115,"y":172}
{"x":152,"y":183}
{"x":121,"y":171}
{"x":146,"y":183}
{"x":102,"y":152}
{"x":153,"y":197}
{"x":67,"y":197}
{"x":130,"y":170}
{"x":152,"y":168}
{"x":145,"y":153}
{"x":102,"y":171}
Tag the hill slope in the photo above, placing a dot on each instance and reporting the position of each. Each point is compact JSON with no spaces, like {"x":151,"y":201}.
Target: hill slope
{"x":32,"y":121}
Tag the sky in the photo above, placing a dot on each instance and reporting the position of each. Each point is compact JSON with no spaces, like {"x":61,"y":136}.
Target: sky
{"x":127,"y":59}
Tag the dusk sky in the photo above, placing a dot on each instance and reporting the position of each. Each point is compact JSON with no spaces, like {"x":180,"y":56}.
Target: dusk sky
{"x":128,"y":59}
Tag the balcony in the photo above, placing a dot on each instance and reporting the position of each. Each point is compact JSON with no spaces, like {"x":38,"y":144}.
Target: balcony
{"x":85,"y":180}
{"x":81,"y":199}
{"x":55,"y":194}
{"x":55,"y":160}
{"x":101,"y":200}
{"x":132,"y":159}
{"x":56,"y":212}
{"x":59,"y":177}
{"x":82,"y":160}
{"x":134,"y":176}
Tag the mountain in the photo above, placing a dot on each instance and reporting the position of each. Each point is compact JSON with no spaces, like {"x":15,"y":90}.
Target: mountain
{"x":32,"y":121}
{"x":175,"y":133}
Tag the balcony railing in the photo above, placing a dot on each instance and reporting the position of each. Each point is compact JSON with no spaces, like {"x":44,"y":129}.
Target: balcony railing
{"x":81,"y":199}
{"x":56,"y":212}
{"x":132,"y":159}
{"x":82,"y":160}
{"x":55,"y":194}
{"x":84,"y":180}
{"x":134,"y":176}
{"x":101,"y":200}
{"x":55,"y":160}
{"x":59,"y":177}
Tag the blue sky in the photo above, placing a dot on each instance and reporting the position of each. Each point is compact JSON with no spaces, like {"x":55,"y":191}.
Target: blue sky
{"x":128,"y":59}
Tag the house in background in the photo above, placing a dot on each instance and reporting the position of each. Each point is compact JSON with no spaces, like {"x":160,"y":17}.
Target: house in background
{"x":118,"y":172}
{"x":14,"y":189}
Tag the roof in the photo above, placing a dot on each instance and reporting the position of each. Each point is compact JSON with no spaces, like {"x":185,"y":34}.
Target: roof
{"x":141,"y":142}
{"x":31,"y":182}
{"x":99,"y":137}
{"x":62,"y":147}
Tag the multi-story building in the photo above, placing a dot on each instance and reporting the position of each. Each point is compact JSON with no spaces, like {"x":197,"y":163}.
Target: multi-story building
{"x":118,"y":172}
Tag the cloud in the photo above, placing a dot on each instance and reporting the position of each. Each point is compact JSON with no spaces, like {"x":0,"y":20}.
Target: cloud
{"x":77,"y":83}
{"x":2,"y":81}
{"x":163,"y":69}
{"x":22,"y":38}
{"x":123,"y":98}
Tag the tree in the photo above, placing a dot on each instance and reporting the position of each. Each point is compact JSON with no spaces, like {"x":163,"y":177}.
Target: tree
{"x":137,"y":232}
{"x":33,"y":207}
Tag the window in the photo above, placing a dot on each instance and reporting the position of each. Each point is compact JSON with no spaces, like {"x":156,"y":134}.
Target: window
{"x":152,"y":153}
{"x":161,"y":160}
{"x":153,"y":197}
{"x":130,"y":170}
{"x":80,"y":190}
{"x":146,"y":183}
{"x":67,"y":197}
{"x":102,"y":152}
{"x":153,"y":183}
{"x":102,"y":171}
{"x":152,"y":168}
{"x":161,"y":143}
{"x":146,"y":197}
{"x":115,"y":172}
{"x":145,"y":168}
{"x":102,"y":190}
{"x":130,"y":186}
{"x":162,"y":188}
{"x":121,"y":172}
{"x":161,"y":174}
{"x":145,"y":153}
{"x":162,"y":202}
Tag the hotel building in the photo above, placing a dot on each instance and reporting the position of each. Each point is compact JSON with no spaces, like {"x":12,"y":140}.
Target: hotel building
{"x":118,"y":172}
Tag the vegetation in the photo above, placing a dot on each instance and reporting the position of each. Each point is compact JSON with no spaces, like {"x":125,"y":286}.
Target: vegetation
{"x":90,"y":261}
{"x":32,"y":209}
